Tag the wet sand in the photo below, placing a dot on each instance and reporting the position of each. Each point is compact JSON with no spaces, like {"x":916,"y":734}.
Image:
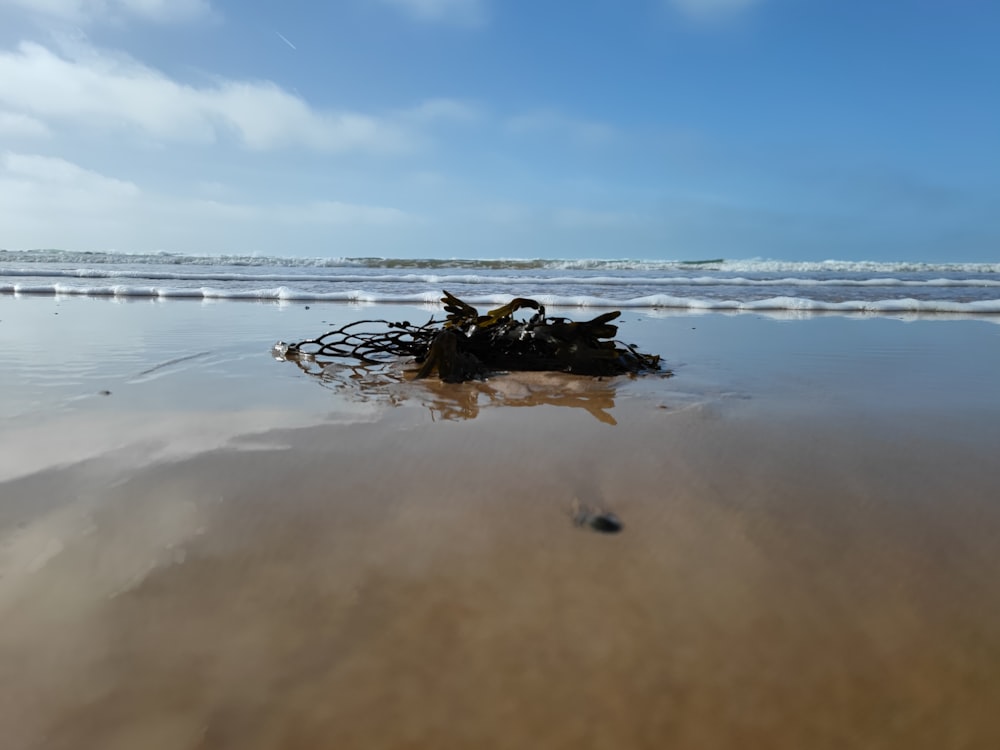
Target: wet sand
{"x":808,"y":558}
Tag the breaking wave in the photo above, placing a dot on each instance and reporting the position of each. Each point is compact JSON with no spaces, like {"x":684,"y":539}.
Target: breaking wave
{"x":632,"y":280}
{"x":755,"y":265}
{"x":653,"y":301}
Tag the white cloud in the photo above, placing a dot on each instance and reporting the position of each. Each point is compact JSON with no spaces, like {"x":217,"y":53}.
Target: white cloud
{"x":705,"y":10}
{"x":86,"y":11}
{"x":44,"y":197}
{"x":454,"y":12}
{"x":166,"y":10}
{"x":16,"y":125}
{"x":99,"y":212}
{"x":581,"y":132}
{"x":112,"y":92}
{"x":51,"y":173}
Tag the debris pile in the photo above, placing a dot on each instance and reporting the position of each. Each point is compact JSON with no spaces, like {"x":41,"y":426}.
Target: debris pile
{"x":470,"y":346}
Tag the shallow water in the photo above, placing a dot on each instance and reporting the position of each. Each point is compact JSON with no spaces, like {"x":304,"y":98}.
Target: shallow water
{"x":225,"y":552}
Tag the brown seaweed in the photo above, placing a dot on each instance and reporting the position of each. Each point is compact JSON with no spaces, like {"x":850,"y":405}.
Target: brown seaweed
{"x":470,"y":346}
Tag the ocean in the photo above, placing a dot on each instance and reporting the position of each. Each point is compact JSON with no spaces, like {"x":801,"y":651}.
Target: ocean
{"x":773,"y":286}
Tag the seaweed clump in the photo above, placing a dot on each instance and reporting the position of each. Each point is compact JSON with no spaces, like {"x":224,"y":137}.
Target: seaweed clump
{"x":470,"y":346}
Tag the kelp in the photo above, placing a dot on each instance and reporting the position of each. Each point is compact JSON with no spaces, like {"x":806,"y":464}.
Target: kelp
{"x":469,"y":346}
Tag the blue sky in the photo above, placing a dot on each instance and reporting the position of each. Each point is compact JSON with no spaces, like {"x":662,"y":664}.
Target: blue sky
{"x":794,"y":129}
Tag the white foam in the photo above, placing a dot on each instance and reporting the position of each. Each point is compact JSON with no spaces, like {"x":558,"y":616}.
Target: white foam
{"x":654,"y":301}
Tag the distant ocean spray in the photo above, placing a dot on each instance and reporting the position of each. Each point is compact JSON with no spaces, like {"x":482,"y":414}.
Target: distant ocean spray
{"x":735,"y":285}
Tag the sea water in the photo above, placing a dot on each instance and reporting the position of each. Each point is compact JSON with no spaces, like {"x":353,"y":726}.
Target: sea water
{"x":722,"y":285}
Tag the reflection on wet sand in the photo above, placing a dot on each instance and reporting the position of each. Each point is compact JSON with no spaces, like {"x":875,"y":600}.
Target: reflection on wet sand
{"x":412,"y":585}
{"x":812,"y":566}
{"x":391,"y":384}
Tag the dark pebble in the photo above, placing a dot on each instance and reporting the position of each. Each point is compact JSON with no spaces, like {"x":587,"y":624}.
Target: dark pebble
{"x":606,"y":523}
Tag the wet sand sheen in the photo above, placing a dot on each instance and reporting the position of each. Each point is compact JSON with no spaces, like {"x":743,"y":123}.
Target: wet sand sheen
{"x":808,"y":556}
{"x":320,"y":597}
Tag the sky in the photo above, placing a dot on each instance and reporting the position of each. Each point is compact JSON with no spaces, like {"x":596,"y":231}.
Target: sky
{"x":667,"y":129}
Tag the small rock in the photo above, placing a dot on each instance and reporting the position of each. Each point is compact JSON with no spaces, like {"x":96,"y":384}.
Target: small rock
{"x":599,"y":520}
{"x":606,"y":523}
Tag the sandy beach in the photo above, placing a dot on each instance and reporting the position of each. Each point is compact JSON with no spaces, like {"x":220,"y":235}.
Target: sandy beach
{"x":201,"y":547}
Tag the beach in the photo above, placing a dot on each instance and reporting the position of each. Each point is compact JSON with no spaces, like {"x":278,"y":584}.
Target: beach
{"x":203,"y":547}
